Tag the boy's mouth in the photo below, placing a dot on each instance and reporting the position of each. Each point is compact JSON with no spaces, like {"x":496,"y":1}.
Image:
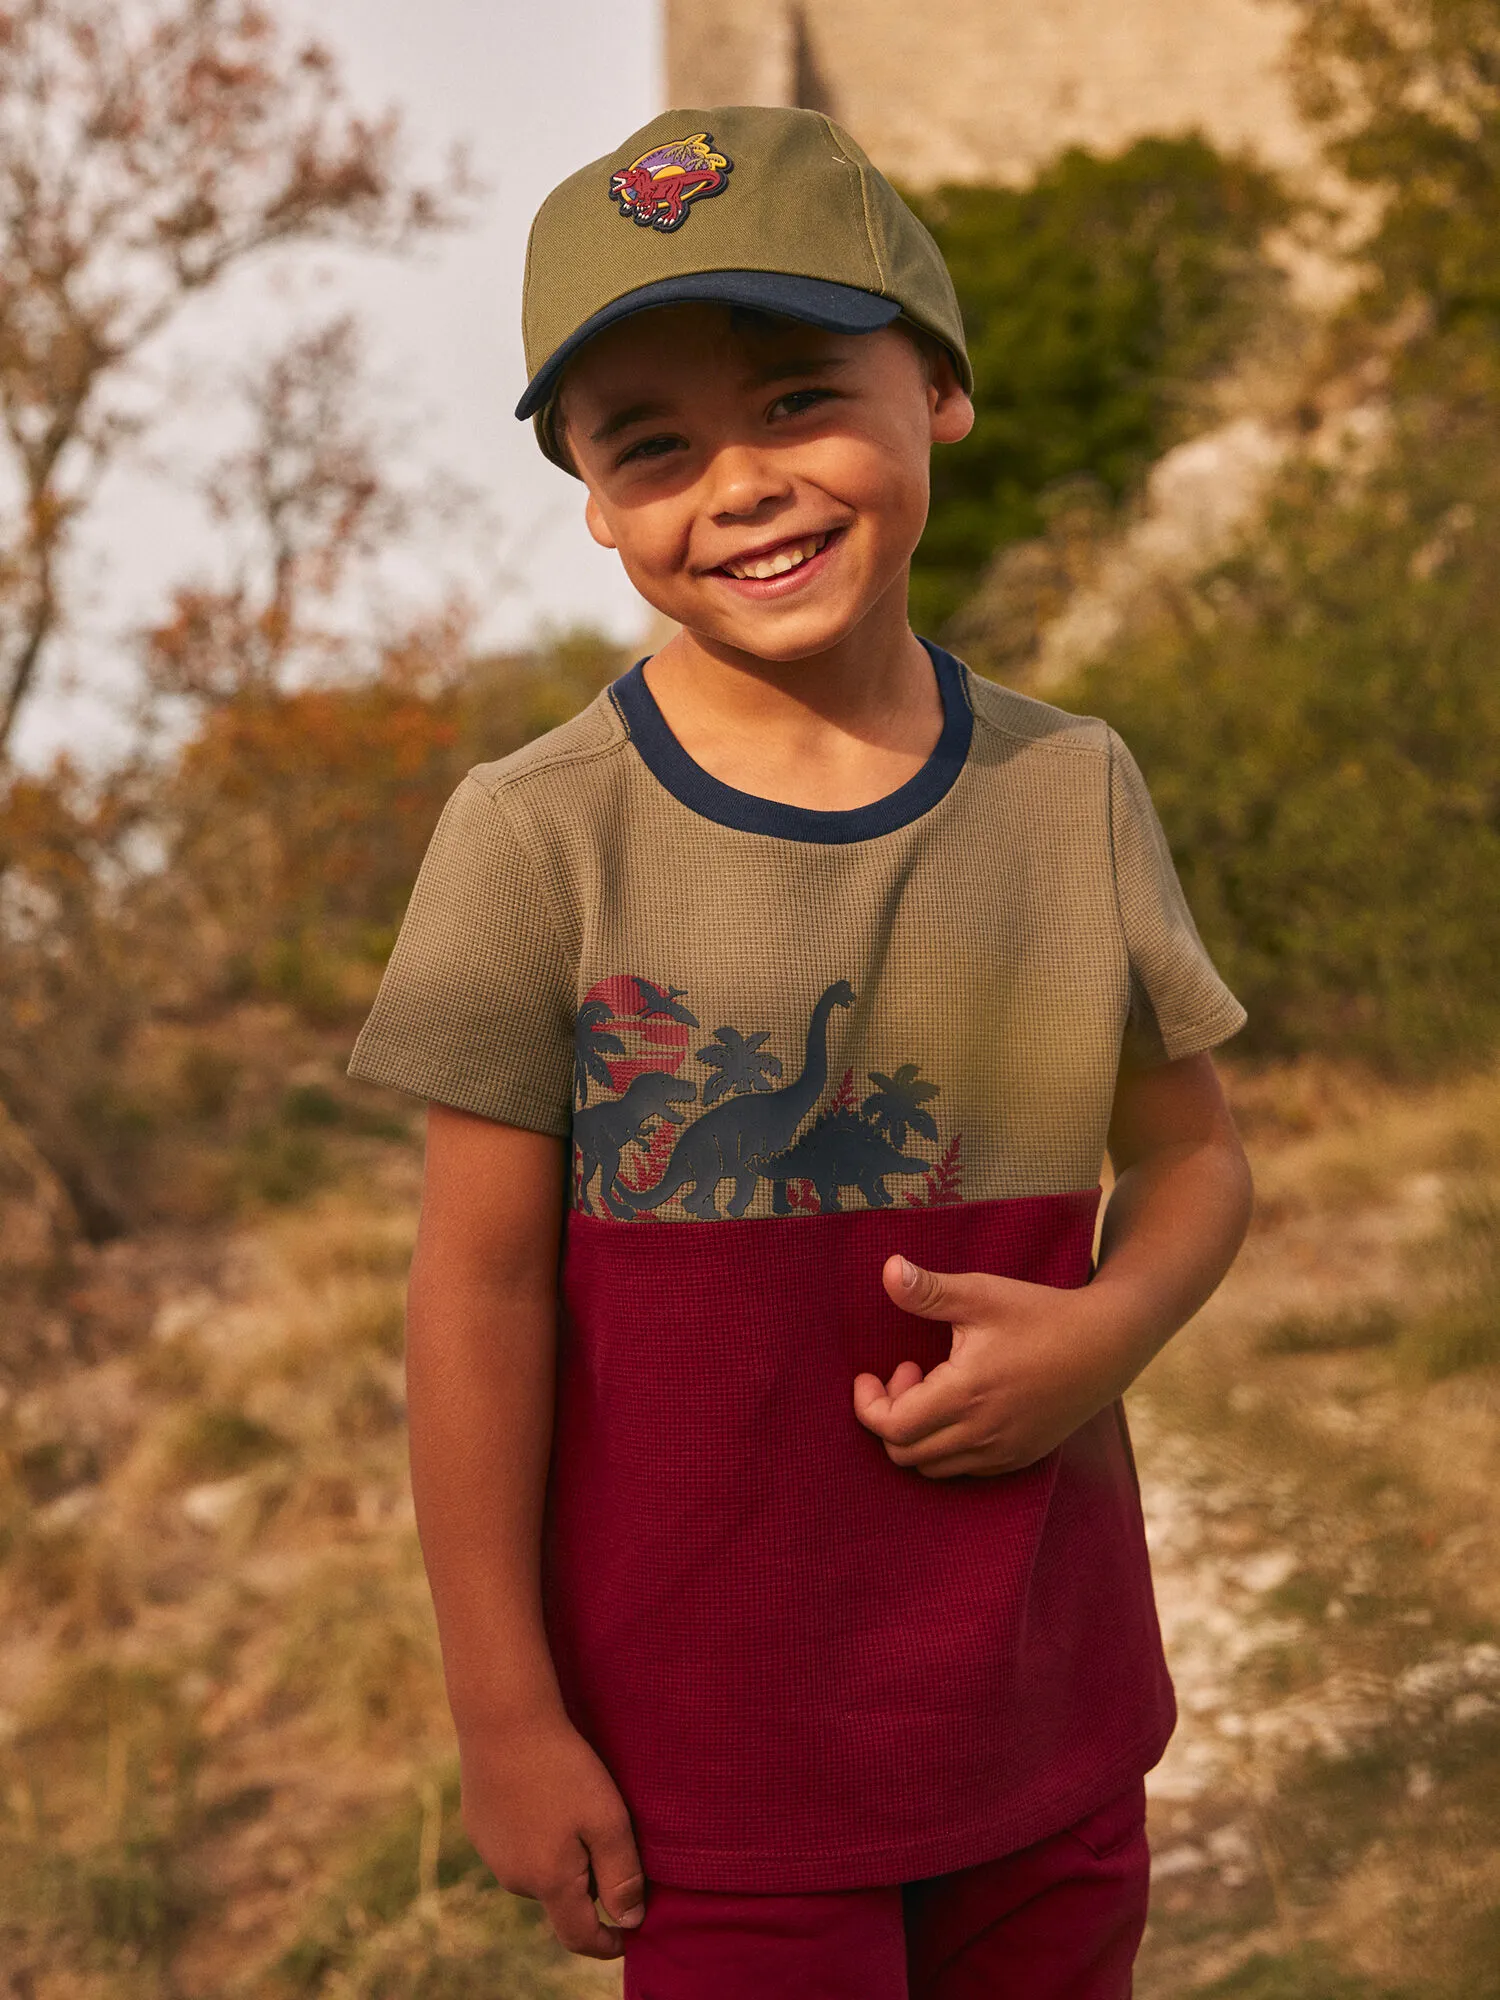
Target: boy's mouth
{"x":761,"y":572}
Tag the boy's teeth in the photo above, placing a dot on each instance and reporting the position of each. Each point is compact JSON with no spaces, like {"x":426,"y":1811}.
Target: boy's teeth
{"x":780,"y":563}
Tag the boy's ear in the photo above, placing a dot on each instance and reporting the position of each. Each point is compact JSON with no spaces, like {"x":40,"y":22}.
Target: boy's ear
{"x":598,"y":527}
{"x":948,"y":400}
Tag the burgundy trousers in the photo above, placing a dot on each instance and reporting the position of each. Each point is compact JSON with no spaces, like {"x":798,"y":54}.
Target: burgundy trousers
{"x":1058,"y":1921}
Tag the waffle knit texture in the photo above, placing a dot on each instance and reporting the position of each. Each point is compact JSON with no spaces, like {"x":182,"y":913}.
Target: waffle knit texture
{"x":805,"y":1041}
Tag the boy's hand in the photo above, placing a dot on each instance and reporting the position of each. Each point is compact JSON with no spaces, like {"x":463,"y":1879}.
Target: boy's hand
{"x":1028,"y":1365}
{"x":547,"y":1818}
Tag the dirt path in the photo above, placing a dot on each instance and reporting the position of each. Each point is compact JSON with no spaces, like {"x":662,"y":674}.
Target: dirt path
{"x":1322,"y":1519}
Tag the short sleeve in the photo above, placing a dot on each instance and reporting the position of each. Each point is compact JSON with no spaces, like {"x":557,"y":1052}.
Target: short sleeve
{"x":476,"y":1006}
{"x":1179,"y":1005}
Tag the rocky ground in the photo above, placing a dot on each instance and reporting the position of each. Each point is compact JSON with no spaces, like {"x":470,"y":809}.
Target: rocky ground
{"x":225,"y":1768}
{"x":1319,"y":1478}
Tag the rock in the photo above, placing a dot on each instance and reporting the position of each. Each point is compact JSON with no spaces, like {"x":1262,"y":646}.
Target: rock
{"x":211,"y":1506}
{"x":1045,"y":609}
{"x":1183,"y":1859}
{"x":1266,"y":1570}
{"x":68,"y":1511}
{"x":1198,"y":499}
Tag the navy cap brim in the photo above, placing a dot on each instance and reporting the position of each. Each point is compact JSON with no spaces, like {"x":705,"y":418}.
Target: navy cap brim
{"x":838,"y":308}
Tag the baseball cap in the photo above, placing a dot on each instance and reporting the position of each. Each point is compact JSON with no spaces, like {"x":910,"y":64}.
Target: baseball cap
{"x":765,"y":206}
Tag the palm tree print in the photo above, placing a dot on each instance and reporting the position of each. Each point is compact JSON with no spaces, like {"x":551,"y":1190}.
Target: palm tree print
{"x":592,"y":1042}
{"x":741,"y":1063}
{"x":896,"y":1106}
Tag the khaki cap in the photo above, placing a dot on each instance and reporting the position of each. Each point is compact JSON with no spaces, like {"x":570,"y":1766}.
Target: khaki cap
{"x":747,"y":204}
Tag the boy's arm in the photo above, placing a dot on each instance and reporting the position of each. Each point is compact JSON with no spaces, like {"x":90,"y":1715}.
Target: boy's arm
{"x":481,"y":1341}
{"x":1029,"y":1364}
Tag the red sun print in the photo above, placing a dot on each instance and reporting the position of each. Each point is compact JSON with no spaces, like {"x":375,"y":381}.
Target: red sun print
{"x":649,"y":1020}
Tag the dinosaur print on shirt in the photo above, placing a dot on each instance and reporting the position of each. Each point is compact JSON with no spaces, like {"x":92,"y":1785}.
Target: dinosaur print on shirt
{"x":750,"y":1126}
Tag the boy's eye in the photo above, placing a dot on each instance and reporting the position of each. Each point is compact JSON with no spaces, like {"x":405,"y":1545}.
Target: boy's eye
{"x":651,"y":447}
{"x":797,"y":401}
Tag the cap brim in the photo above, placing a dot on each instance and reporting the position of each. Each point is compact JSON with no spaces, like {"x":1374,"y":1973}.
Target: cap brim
{"x":839,"y":308}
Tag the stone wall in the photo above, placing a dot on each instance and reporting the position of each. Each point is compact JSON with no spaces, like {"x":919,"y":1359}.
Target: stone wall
{"x":986,"y":89}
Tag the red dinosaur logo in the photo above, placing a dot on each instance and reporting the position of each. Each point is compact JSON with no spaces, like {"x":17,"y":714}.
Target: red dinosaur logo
{"x":655,"y":190}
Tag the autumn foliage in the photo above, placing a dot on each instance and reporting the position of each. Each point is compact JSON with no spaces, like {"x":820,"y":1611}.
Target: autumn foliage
{"x":247,"y":883}
{"x":335,"y":790}
{"x":234,"y":884}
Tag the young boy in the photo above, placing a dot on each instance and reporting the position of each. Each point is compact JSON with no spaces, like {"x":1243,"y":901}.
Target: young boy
{"x":775,"y":1016}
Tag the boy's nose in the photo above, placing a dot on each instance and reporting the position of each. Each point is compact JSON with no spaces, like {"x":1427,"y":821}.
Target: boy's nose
{"x":745,"y":483}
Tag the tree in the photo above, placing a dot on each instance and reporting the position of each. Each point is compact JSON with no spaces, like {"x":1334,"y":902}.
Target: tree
{"x":269,"y":842}
{"x":593,"y":1041}
{"x":322,"y":745}
{"x":306,"y":501}
{"x":896,"y":1104}
{"x":146,"y":150}
{"x":76,"y":960}
{"x":1407,"y":95}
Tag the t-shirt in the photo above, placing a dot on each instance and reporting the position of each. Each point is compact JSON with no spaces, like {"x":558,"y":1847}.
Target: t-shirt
{"x":786,"y":1043}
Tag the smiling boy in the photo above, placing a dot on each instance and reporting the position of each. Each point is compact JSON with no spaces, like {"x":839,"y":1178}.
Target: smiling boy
{"x":787,"y":1554}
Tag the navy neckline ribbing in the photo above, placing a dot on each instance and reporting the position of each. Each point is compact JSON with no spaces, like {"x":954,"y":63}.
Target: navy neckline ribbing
{"x":705,"y":795}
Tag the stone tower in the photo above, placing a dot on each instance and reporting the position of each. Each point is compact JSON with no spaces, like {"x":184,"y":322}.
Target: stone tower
{"x":984,"y":90}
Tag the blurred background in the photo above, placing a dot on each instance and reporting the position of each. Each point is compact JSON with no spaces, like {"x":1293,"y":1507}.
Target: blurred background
{"x":277,"y":565}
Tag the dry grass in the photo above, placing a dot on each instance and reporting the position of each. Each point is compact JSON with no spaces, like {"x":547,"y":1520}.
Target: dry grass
{"x":220,"y":1697}
{"x":225,"y":1763}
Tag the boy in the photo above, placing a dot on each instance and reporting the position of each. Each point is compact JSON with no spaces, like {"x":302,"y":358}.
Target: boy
{"x":793,"y":1595}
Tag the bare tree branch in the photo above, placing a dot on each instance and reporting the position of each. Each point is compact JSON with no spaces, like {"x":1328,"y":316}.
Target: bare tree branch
{"x":146,"y":149}
{"x":308,"y":501}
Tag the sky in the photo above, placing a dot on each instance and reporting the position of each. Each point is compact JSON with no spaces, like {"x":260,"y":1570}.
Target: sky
{"x":533,"y":92}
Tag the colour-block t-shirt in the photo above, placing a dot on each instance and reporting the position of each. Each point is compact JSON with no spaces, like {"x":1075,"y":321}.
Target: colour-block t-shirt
{"x":784,"y":1044}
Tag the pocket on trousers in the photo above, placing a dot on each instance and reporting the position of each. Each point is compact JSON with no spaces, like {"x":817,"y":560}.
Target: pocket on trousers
{"x":1115,"y":1824}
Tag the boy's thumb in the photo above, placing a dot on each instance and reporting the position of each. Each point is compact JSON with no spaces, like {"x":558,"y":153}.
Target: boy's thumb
{"x":929,"y":1294}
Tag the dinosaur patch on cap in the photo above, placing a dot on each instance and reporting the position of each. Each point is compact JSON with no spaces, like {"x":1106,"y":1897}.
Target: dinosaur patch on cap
{"x":655,"y":190}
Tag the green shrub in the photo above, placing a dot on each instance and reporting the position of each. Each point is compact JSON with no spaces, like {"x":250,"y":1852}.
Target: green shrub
{"x":282,"y":1167}
{"x":509,"y":698}
{"x":310,"y":1104}
{"x":216,"y":1443}
{"x":1322,"y":738}
{"x":1094,"y":300}
{"x":1408,"y":99}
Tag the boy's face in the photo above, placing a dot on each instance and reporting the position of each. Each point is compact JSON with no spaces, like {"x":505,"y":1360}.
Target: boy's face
{"x":718,"y":447}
